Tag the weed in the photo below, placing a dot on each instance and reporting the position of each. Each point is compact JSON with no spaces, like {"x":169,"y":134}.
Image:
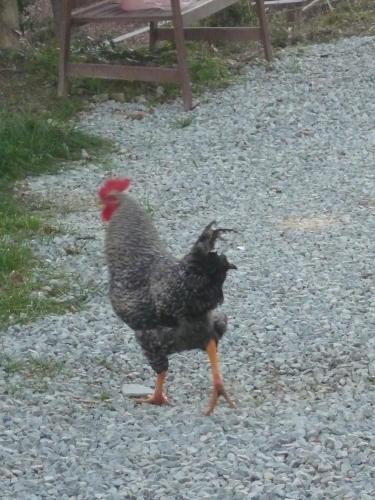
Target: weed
{"x":183,"y":122}
{"x":295,"y":66}
{"x":10,"y":365}
{"x":43,"y":367}
{"x":104,"y":396}
{"x":25,"y":296}
{"x":148,"y":207}
{"x":209,"y":71}
{"x":35,"y":372}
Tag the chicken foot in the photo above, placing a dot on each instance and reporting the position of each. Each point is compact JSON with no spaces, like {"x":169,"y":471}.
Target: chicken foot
{"x":218,"y":386}
{"x":158,"y":397}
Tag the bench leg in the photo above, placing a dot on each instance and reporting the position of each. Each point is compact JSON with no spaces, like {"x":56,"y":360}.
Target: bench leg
{"x":181,"y":55}
{"x":264,"y":29}
{"x":62,"y":86}
{"x":153,"y":34}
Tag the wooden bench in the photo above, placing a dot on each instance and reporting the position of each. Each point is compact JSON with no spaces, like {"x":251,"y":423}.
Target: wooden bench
{"x":110,"y":11}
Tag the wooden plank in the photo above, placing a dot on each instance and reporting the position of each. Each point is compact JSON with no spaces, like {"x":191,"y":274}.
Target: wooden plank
{"x":204,"y":9}
{"x":122,"y":17}
{"x":283,"y":3}
{"x":90,"y":8}
{"x":212,"y":34}
{"x":121,"y":72}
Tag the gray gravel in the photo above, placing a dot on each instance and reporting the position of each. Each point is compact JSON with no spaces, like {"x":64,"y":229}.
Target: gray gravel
{"x":287,"y":157}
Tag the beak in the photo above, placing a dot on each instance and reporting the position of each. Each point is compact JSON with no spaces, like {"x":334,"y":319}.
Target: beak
{"x":232,"y":266}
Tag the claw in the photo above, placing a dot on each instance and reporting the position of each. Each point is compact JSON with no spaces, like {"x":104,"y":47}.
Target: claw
{"x":218,"y":391}
{"x":159,"y":400}
{"x":157,"y":397}
{"x":218,"y":386}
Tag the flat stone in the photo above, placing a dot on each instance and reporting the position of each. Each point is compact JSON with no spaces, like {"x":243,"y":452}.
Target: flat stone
{"x":133,"y":390}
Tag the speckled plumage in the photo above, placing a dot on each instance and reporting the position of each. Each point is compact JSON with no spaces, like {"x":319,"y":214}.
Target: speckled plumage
{"x":169,"y":303}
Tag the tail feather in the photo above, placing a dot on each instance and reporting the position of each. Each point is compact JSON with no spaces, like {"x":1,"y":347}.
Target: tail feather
{"x":206,"y":241}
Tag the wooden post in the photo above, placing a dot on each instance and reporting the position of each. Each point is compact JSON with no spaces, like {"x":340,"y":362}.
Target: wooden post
{"x":62,"y":87}
{"x":183,"y":70}
{"x":153,"y":34}
{"x":264,"y":29}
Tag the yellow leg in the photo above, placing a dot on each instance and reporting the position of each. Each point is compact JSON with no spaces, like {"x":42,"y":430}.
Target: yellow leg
{"x":158,"y":397}
{"x":218,"y":387}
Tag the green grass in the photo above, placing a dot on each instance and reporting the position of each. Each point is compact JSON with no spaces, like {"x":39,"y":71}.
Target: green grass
{"x":36,"y":144}
{"x":183,"y":121}
{"x":31,"y":366}
{"x":22,"y":293}
{"x":349,"y":17}
{"x":25,"y":297}
{"x":31,"y":145}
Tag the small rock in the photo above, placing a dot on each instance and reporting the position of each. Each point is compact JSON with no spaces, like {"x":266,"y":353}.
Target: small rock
{"x":118,"y":96}
{"x":84,"y":154}
{"x":136,"y":115}
{"x":134,"y":390}
{"x":159,"y":91}
{"x":100,"y":98}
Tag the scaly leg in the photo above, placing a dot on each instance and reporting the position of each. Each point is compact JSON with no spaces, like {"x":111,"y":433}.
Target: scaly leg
{"x":218,"y":387}
{"x":158,"y":397}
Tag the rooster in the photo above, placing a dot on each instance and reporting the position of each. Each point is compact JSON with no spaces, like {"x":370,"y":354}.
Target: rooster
{"x":169,"y":303}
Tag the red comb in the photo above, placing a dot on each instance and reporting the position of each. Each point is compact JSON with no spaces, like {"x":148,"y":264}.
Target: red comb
{"x":111,"y":185}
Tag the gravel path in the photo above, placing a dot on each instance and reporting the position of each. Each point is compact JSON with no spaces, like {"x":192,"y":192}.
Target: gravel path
{"x":287,"y":157}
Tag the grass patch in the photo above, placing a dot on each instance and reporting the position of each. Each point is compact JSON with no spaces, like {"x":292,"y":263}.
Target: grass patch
{"x":31,"y":367}
{"x":28,"y":288}
{"x":36,"y":144}
{"x":349,"y":17}
{"x":29,"y":145}
{"x":26,"y":297}
{"x":34,"y":372}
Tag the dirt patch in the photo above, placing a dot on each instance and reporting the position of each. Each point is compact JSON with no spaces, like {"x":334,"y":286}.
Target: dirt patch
{"x":308,"y":223}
